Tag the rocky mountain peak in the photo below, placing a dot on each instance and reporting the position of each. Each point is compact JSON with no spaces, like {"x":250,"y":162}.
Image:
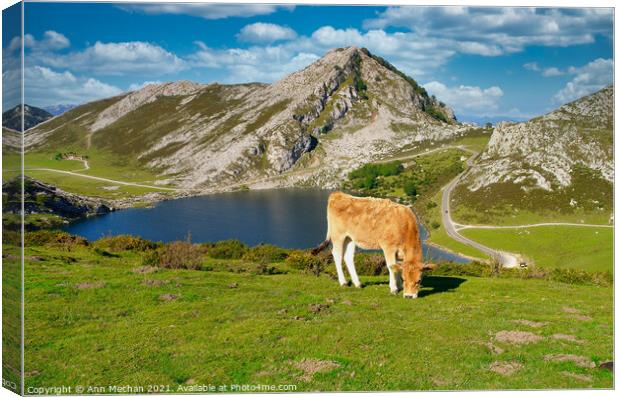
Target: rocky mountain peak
{"x":33,"y":116}
{"x":543,"y":152}
{"x":346,"y":108}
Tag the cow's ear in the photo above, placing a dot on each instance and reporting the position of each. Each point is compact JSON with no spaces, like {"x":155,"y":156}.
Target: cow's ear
{"x":429,"y":266}
{"x":397,"y":267}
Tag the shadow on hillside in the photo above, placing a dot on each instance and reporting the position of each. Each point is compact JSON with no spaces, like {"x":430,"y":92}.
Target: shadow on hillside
{"x":439,"y":284}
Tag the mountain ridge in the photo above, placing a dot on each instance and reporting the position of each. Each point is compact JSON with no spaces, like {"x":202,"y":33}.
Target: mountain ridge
{"x":33,"y":116}
{"x":347,"y":107}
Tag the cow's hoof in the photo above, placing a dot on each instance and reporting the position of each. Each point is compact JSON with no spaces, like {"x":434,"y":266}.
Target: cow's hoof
{"x":344,"y":284}
{"x":358,"y":286}
{"x":394,"y":291}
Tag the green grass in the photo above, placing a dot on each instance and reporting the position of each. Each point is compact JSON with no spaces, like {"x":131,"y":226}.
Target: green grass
{"x":475,"y":139}
{"x":427,"y":173}
{"x":511,"y":215}
{"x":554,"y":246}
{"x":102,"y":164}
{"x":122,"y":332}
{"x":11,"y":317}
{"x":89,"y":187}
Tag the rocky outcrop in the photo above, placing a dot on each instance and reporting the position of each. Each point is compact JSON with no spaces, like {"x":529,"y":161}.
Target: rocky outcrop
{"x":43,"y":198}
{"x":542,"y":152}
{"x":141,"y":97}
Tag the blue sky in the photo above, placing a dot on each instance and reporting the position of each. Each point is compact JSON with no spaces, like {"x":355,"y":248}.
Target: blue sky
{"x":487,"y":63}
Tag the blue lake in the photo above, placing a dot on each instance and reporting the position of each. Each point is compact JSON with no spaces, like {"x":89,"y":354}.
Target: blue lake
{"x":290,"y":218}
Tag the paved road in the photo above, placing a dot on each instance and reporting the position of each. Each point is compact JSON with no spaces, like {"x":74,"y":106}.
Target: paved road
{"x":506,"y":259}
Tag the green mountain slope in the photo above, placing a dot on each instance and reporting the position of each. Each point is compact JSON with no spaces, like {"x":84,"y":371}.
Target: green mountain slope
{"x":558,"y":166}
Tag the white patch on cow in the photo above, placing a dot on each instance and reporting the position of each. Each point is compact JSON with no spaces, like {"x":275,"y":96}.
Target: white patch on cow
{"x":349,"y":255}
{"x":337,"y":253}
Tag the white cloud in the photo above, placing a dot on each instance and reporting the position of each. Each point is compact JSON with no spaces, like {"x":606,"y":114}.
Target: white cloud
{"x":553,"y":72}
{"x":54,"y":40}
{"x":45,"y":87}
{"x":467,"y":98}
{"x":248,"y":65}
{"x":114,"y":59}
{"x":265,"y":33}
{"x":546,"y":72}
{"x":500,"y":30}
{"x":207,"y":11}
{"x":51,"y":41}
{"x":588,"y":79}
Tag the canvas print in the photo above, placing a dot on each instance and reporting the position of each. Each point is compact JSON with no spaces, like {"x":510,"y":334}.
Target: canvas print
{"x":213,"y":197}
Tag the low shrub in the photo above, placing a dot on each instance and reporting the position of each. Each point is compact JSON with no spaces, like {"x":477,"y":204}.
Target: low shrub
{"x":265,"y":253}
{"x":568,"y":276}
{"x":375,"y":170}
{"x":226,"y":249}
{"x":175,"y":255}
{"x":11,"y":237}
{"x":124,"y":242}
{"x":53,"y":238}
{"x":370,"y":264}
{"x":306,"y":262}
{"x":263,"y":269}
{"x":410,"y":188}
{"x":431,"y":205}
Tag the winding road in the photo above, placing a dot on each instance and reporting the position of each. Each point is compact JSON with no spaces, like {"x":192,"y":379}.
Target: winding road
{"x":506,"y":259}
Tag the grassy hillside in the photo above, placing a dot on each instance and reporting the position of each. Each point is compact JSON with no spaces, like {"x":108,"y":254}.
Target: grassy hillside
{"x":554,"y":246}
{"x":101,"y":164}
{"x":244,"y":321}
{"x":589,"y":199}
{"x":411,"y":180}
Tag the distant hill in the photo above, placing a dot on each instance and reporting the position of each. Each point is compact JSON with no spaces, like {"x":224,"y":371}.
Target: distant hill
{"x":32,"y":116}
{"x":59,"y":109}
{"x":345,"y":109}
{"x":559,"y":162}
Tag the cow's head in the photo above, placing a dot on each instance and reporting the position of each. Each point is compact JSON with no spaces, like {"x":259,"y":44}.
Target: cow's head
{"x":412,"y":276}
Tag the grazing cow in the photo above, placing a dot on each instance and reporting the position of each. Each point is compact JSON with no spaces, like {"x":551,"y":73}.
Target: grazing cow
{"x":372,"y":223}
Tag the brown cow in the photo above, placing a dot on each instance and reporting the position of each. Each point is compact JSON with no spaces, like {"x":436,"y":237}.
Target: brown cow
{"x":372,"y":223}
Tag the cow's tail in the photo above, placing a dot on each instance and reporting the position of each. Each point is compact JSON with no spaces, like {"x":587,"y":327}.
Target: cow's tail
{"x":316,"y":250}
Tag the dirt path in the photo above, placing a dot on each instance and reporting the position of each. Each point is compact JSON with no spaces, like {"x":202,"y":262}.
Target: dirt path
{"x":102,"y":179}
{"x":459,"y":226}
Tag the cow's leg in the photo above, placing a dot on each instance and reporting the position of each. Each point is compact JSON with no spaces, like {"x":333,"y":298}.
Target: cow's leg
{"x":390,"y":260}
{"x":349,"y":254}
{"x":337,"y":247}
